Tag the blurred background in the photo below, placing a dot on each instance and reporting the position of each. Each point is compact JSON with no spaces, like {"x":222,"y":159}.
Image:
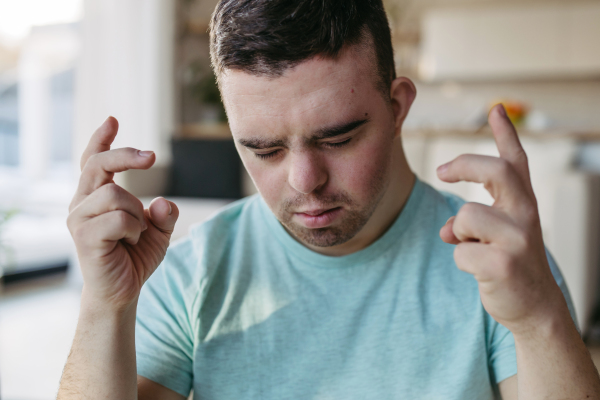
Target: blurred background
{"x":65,"y":65}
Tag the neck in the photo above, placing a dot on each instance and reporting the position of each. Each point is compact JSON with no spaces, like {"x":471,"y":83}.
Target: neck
{"x":387,"y":211}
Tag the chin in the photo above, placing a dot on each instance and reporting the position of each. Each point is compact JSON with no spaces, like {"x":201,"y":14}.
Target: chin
{"x":329,"y":236}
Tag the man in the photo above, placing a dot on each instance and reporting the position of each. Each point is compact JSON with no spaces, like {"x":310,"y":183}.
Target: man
{"x":333,"y":283}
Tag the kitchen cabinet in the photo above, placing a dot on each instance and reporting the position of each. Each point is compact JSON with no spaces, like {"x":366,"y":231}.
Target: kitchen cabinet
{"x":535,"y":41}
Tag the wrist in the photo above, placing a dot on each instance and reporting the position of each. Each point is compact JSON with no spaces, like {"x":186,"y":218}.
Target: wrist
{"x":98,"y":307}
{"x":555,"y":324}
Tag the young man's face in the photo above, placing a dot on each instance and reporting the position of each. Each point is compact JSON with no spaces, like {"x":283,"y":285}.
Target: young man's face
{"x":317,"y":142}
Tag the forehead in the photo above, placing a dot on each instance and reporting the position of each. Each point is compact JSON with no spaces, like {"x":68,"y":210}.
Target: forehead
{"x":316,"y":92}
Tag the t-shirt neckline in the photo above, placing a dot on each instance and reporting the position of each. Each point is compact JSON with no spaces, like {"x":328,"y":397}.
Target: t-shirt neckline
{"x":366,"y":255}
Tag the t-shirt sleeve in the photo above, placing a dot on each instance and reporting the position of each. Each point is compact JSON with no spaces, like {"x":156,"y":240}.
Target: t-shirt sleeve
{"x":563,"y":286}
{"x":501,"y":343}
{"x":164,"y":333}
{"x":501,"y":351}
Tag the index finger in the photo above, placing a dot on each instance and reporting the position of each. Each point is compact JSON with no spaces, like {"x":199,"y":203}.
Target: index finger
{"x":497,"y":175}
{"x":101,"y":167}
{"x":100,"y":140}
{"x":508,"y":143}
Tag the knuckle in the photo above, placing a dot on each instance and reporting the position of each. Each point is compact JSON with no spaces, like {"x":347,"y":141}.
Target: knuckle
{"x":465,"y":218}
{"x":461,"y":257}
{"x":78,"y":233}
{"x":122,"y":218}
{"x":139,"y":207}
{"x":467,"y":211}
{"x":112,"y":190}
{"x":70,"y":222}
{"x":82,"y":161}
{"x":462,"y":157}
{"x":460,"y":160}
{"x":459,"y":254}
{"x":458,"y":228}
{"x":72,"y":206}
{"x":92,"y":161}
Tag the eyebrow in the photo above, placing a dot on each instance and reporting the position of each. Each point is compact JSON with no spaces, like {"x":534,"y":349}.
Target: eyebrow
{"x":324,"y":133}
{"x":339,"y":130}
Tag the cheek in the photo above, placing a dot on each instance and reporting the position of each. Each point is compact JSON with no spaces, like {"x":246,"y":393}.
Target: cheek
{"x":361,"y":172}
{"x":270,"y":181}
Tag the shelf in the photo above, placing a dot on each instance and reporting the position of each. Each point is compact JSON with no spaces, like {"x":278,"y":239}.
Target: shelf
{"x":487,"y":132}
{"x":204,"y":131}
{"x":197,"y":27}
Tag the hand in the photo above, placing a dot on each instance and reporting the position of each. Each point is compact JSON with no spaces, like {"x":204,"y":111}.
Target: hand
{"x":119,"y":244}
{"x":502,"y":245}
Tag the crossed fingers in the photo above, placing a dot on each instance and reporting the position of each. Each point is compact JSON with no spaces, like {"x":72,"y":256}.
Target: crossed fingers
{"x":505,"y":177}
{"x":99,"y":163}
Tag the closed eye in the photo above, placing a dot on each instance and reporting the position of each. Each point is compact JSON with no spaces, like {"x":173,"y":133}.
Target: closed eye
{"x":338,"y":144}
{"x":266,"y":156}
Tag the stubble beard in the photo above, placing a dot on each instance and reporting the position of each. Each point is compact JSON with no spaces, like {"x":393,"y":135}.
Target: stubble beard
{"x":344,"y":229}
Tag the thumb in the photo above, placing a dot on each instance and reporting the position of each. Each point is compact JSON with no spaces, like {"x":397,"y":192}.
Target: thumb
{"x":163,"y":214}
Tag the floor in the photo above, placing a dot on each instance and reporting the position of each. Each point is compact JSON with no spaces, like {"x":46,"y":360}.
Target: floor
{"x":38,"y":317}
{"x":37,"y":323}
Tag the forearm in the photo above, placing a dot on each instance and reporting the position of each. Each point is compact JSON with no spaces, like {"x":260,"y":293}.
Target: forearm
{"x":102,"y":362}
{"x":553,"y":363}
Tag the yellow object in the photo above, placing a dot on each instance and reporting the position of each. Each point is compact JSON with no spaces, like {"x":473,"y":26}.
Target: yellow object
{"x":516,"y":110}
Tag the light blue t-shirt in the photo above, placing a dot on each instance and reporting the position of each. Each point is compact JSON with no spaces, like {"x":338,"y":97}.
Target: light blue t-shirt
{"x":240,"y":310}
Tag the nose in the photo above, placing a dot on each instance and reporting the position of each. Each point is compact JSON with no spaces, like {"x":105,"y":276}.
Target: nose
{"x":306,"y":173}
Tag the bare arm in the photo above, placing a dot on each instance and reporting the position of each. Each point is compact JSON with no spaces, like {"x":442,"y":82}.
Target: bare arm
{"x":502,"y":246}
{"x":102,"y":359}
{"x":508,"y":388}
{"x":119,"y":245}
{"x":110,"y":373}
{"x":553,"y":362}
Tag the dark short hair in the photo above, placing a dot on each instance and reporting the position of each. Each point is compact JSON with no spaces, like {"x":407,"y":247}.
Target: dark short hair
{"x":266,"y":37}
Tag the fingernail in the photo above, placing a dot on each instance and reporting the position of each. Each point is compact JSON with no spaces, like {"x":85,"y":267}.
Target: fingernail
{"x":442,"y":168}
{"x":144,"y":226}
{"x":449,"y":219}
{"x":502,"y":110}
{"x":145,"y":153}
{"x":170,"y":208}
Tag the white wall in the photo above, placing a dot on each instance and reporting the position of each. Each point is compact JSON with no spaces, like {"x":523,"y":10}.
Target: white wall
{"x":126,"y":70}
{"x":47,"y":51}
{"x":514,"y":41}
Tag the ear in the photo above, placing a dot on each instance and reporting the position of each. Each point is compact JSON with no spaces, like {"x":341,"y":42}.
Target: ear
{"x":403,"y":94}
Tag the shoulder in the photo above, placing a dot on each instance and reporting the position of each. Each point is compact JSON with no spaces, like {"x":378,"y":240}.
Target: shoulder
{"x":208,"y":238}
{"x":439,"y":204}
{"x":446,"y":200}
{"x":226,"y":223}
{"x":432,"y":254}
{"x":451,"y":201}
{"x":190,"y":262}
{"x":208,"y":243}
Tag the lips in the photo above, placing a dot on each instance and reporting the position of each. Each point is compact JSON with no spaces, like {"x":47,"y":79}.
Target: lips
{"x":315,"y":212}
{"x":320,"y":218}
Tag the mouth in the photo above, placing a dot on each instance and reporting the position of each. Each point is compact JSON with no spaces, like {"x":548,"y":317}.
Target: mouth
{"x":318,"y":218}
{"x":314,"y":213}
